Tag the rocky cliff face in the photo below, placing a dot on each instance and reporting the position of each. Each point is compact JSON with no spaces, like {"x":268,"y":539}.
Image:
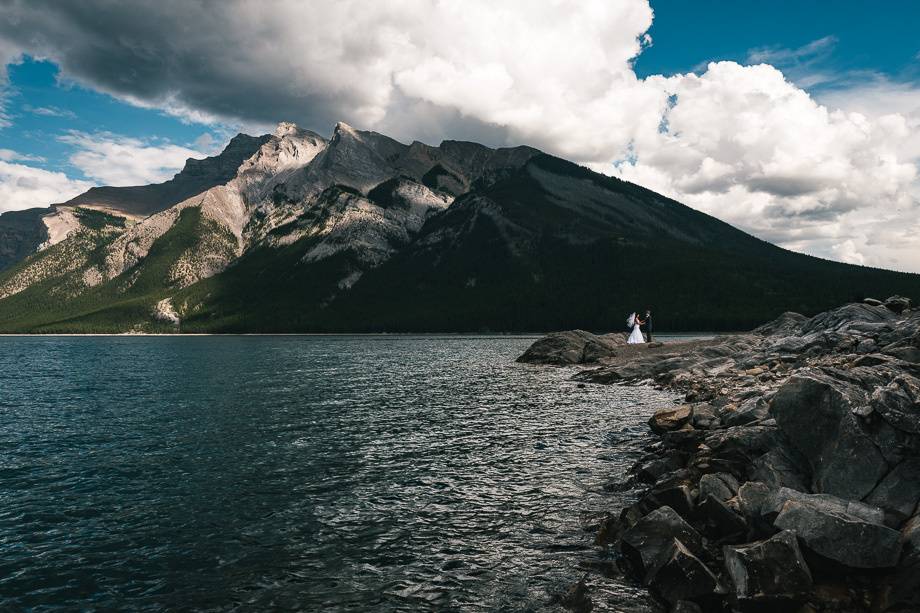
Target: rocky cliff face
{"x":355,"y":200}
{"x":789,"y":480}
{"x":21,"y":233}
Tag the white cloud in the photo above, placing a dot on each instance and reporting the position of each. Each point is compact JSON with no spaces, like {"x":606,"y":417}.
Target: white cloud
{"x":6,"y":119}
{"x":781,"y":56}
{"x":746,"y":145}
{"x":50,"y":111}
{"x":834,"y":176}
{"x":8,"y":155}
{"x":112,"y":159}
{"x":24,"y":187}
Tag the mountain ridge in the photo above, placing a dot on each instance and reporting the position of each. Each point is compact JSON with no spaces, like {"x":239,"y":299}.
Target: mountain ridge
{"x":360,"y":232}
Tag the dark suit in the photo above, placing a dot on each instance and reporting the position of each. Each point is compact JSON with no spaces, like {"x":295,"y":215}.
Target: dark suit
{"x":647,"y":327}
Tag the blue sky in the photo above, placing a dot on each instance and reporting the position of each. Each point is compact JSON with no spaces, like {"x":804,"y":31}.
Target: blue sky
{"x":869,"y":36}
{"x":44,"y":108}
{"x":806,"y":135}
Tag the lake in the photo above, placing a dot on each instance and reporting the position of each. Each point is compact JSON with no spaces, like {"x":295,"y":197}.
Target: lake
{"x":305,"y":473}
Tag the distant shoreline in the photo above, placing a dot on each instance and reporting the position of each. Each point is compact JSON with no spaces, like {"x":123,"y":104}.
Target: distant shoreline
{"x":676,"y":335}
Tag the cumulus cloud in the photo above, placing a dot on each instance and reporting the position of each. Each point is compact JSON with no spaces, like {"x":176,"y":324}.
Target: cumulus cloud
{"x":836,"y":176}
{"x":748,"y":146}
{"x":112,"y":159}
{"x":24,"y":187}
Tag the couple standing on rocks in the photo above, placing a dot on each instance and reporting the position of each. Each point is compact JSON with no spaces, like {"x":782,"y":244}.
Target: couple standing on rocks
{"x":638,"y":327}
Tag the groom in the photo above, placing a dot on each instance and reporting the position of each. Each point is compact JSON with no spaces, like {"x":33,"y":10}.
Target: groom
{"x":648,"y":325}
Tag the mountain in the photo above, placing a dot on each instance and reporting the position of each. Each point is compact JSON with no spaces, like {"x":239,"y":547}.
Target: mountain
{"x":24,"y":232}
{"x":21,"y":234}
{"x":360,"y":232}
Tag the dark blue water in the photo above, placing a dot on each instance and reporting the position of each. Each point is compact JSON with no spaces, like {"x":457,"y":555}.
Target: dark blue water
{"x":302,"y":473}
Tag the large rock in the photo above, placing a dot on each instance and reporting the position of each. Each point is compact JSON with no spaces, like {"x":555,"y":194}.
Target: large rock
{"x":675,"y":496}
{"x":899,"y":492}
{"x":903,"y":590}
{"x":815,"y":413}
{"x":720,"y":522}
{"x":841,"y":537}
{"x":670,"y":418}
{"x":648,"y":544}
{"x":786,"y":324}
{"x":845,"y":316}
{"x":572,"y":347}
{"x":778,"y":468}
{"x":751,"y":410}
{"x":777,"y":499}
{"x":742,"y":442}
{"x":721,"y":486}
{"x":772,"y":570}
{"x":682,"y":576}
{"x":898,"y":403}
{"x":898,"y":304}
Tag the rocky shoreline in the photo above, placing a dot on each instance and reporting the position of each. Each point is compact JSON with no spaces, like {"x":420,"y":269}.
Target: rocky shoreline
{"x":789,"y":478}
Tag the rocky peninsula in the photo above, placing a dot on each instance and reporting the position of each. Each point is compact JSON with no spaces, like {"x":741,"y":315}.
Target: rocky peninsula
{"x":789,"y":477}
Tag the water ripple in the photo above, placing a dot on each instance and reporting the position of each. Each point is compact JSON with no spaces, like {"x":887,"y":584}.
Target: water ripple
{"x":303,"y":473}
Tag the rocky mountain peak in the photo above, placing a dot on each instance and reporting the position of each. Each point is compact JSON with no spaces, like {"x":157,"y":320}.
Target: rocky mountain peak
{"x":221,"y":167}
{"x":342,"y":128}
{"x":285,"y":128}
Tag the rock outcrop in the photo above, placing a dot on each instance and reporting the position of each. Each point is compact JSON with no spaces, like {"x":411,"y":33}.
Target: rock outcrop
{"x":572,"y":347}
{"x":21,"y":233}
{"x":789,"y":479}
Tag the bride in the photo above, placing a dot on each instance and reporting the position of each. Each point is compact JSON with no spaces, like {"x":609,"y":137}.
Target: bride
{"x":636,"y":337}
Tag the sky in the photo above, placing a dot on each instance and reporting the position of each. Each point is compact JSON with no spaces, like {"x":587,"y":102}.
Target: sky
{"x":798,"y":124}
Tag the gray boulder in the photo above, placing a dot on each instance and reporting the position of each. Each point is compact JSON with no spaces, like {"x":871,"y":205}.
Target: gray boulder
{"x":572,"y":347}
{"x":648,"y":544}
{"x":761,"y":502}
{"x":720,"y":522}
{"x":786,"y":324}
{"x":751,"y":410}
{"x":903,"y":591}
{"x":768,"y":571}
{"x":682,"y":576}
{"x":815,"y":413}
{"x":898,"y":403}
{"x":674,"y":496}
{"x":899,"y":492}
{"x":754,"y":498}
{"x":777,"y":468}
{"x":844,"y":538}
{"x":908,"y":353}
{"x":720,"y":486}
{"x":742,"y":442}
{"x":898,"y":304}
{"x":704,"y":417}
{"x":847,"y":315}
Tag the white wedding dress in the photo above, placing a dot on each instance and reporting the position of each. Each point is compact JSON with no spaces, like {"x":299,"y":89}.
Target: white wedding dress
{"x":636,"y":337}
